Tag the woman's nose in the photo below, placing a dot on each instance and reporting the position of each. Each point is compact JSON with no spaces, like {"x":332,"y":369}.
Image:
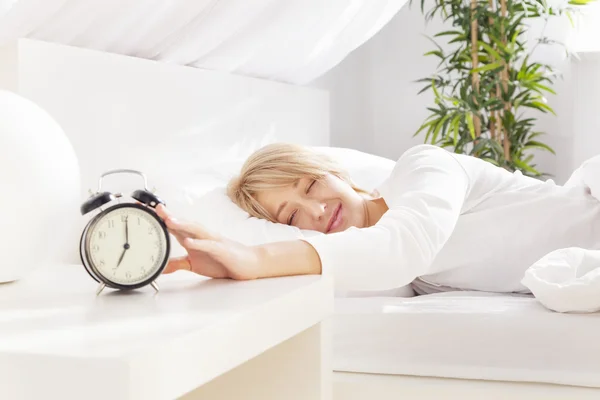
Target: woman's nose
{"x":316,"y":209}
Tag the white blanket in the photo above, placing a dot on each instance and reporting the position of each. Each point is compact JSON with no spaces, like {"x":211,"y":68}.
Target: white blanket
{"x":568,"y":280}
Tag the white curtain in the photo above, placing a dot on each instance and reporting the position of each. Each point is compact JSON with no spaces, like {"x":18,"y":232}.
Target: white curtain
{"x":285,"y":40}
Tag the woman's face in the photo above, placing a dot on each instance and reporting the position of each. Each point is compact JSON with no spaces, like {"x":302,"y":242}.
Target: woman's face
{"x":328,"y":206}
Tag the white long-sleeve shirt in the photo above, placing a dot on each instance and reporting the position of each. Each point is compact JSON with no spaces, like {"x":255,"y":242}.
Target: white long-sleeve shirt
{"x":458,"y":221}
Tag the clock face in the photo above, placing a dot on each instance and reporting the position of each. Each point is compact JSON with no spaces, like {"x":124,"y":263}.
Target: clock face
{"x":127,"y":245}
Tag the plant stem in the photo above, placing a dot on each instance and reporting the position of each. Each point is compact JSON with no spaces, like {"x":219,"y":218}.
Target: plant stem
{"x":507,"y":105}
{"x":475,"y":61}
{"x":493,"y":114}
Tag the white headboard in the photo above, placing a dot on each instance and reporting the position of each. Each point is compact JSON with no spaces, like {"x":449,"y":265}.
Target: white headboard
{"x":125,"y":112}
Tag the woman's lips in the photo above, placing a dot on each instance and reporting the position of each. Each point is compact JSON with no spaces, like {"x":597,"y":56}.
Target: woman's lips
{"x":336,"y":219}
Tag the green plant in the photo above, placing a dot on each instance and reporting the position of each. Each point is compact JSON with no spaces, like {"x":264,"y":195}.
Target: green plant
{"x":486,"y":83}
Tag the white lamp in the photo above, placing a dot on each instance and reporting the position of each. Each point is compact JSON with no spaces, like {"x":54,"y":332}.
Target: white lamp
{"x":39,"y":188}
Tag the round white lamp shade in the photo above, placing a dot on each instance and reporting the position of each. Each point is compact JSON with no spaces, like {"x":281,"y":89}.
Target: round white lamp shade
{"x":39,"y":188}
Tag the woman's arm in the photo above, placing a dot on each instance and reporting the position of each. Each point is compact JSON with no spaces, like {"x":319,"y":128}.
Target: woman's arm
{"x":211,"y":255}
{"x":294,"y":257}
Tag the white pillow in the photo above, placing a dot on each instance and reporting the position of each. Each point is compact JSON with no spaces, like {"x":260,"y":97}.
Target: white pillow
{"x":367,"y":170}
{"x":206,"y":202}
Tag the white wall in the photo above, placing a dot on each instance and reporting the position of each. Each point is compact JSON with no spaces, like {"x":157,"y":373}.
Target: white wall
{"x":349,"y":106}
{"x":374,"y":103}
{"x":375,"y":106}
{"x":588,"y":29}
{"x":586,"y":104}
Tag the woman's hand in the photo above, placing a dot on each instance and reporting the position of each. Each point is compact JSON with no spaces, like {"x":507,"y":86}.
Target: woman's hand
{"x":209,"y":254}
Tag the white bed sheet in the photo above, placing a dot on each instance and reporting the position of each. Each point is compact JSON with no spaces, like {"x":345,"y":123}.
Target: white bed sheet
{"x":466,"y":335}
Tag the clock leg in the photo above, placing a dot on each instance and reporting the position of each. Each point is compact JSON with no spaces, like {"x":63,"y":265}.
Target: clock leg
{"x":100,"y":289}
{"x":155,"y":286}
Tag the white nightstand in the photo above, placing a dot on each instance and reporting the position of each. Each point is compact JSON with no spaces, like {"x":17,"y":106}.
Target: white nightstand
{"x":196,"y":339}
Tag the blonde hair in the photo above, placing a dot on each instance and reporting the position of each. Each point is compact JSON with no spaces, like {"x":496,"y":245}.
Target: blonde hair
{"x":279,"y":165}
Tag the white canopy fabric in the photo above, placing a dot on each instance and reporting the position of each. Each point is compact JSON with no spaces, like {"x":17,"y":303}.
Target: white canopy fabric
{"x":292,"y":41}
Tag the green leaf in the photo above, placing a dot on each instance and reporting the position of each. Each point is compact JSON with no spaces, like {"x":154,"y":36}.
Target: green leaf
{"x":424,"y":125}
{"x":457,"y":39}
{"x":439,"y":126}
{"x":525,"y":167}
{"x":497,"y":148}
{"x":539,"y":145}
{"x":479,"y":147}
{"x":499,"y":43}
{"x":535,"y":134}
{"x":542,"y":106}
{"x":446,"y":33}
{"x":455,"y":100}
{"x":435,"y":111}
{"x":428,"y":80}
{"x":435,"y":43}
{"x":570,"y":17}
{"x":436,"y":53}
{"x":435,"y":91}
{"x":490,"y":160}
{"x":431,"y":117}
{"x":580,"y":2}
{"x":488,"y":67}
{"x":454,"y":125}
{"x":543,"y":87}
{"x":490,"y":50}
{"x":425,"y":88}
{"x":513,"y":40}
{"x":469,"y":117}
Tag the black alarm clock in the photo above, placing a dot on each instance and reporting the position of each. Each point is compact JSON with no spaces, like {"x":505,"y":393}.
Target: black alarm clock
{"x":126,"y":245}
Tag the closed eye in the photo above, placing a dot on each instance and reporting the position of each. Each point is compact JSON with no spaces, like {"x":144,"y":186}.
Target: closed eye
{"x":291,"y":218}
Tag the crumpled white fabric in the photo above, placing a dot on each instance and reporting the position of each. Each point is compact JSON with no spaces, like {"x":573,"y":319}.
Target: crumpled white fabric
{"x":292,"y":41}
{"x":568,"y":280}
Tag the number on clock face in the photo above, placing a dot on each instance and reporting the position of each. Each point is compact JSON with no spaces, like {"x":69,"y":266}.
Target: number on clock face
{"x":127,"y":245}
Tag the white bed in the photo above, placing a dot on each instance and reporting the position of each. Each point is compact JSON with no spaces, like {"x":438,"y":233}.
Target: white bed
{"x":467,"y":336}
{"x":128,"y":112}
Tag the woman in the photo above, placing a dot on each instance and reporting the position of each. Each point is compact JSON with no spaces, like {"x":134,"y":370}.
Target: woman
{"x":441,"y":221}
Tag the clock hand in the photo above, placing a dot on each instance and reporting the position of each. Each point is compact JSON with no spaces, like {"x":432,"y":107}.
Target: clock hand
{"x":122,"y":255}
{"x":126,"y":245}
